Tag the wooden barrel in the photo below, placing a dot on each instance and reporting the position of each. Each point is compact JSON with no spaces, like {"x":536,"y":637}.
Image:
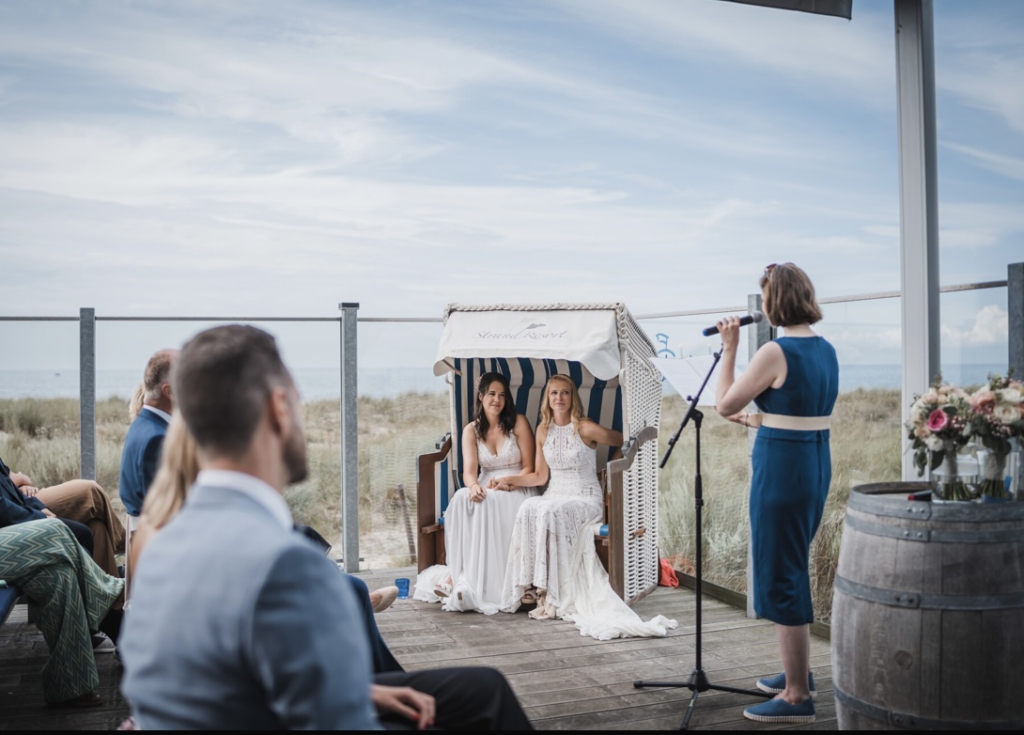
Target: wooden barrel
{"x":928,"y":613}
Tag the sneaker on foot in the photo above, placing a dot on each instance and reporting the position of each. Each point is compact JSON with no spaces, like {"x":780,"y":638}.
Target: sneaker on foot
{"x":777,"y":684}
{"x":102,"y":644}
{"x":779,"y":710}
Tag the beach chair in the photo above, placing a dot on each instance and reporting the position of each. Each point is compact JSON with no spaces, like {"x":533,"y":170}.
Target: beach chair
{"x":607,"y":355}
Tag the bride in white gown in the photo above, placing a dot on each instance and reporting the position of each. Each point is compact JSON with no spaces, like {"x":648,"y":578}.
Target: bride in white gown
{"x":478,"y":520}
{"x":552,"y":559}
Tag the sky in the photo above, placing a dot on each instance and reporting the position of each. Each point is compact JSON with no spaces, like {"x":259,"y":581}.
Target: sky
{"x":275,"y":159}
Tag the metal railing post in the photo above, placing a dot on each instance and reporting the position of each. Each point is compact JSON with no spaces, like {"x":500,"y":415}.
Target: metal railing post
{"x":758,"y":335}
{"x":1015,"y":314}
{"x":87,"y":391}
{"x":349,"y":438}
{"x":919,"y":204}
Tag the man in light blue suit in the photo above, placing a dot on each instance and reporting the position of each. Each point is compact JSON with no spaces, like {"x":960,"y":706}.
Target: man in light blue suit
{"x":237,"y":621}
{"x":141,"y":454}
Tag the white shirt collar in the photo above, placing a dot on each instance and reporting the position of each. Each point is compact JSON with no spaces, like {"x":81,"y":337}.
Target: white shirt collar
{"x":255,"y":488}
{"x":159,"y":412}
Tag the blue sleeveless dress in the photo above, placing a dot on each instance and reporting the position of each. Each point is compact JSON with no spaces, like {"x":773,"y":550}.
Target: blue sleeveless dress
{"x":791,"y":474}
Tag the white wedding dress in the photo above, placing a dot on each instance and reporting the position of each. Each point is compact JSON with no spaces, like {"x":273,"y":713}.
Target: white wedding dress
{"x":477,"y":536}
{"x":553,"y":548}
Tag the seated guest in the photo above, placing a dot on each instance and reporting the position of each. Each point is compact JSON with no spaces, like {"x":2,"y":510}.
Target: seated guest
{"x":68,"y":596}
{"x":141,"y":453}
{"x":179,"y":466}
{"x":16,"y":507}
{"x":237,"y":620}
{"x":83,"y":502}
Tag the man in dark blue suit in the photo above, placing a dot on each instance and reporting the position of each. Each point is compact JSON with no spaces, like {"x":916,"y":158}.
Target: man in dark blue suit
{"x":141,"y":455}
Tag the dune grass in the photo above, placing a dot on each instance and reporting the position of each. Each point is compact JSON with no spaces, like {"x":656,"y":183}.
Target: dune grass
{"x":40,"y":437}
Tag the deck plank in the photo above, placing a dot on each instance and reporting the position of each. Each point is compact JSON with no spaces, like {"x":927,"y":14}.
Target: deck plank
{"x":565,"y":681}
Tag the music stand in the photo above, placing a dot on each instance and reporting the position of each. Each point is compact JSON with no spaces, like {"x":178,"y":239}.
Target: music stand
{"x":698,"y":681}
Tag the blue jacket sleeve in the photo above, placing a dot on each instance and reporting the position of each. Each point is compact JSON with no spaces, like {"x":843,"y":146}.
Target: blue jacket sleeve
{"x":12,"y":513}
{"x":151,"y":460}
{"x":309,"y":646}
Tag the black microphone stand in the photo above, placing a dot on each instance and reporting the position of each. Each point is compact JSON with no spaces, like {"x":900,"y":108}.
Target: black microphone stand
{"x":698,"y":681}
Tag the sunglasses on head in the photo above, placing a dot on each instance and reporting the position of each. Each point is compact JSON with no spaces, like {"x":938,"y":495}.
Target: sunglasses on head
{"x":768,"y":269}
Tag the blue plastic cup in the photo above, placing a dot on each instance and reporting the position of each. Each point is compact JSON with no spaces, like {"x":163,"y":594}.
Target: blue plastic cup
{"x":402,"y":583}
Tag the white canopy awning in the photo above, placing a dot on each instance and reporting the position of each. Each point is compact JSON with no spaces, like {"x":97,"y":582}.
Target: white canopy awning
{"x":588,"y":336}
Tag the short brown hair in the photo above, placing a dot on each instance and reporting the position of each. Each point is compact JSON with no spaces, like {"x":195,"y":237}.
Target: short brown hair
{"x":222,"y":381}
{"x":789,"y":296}
{"x":158,"y":372}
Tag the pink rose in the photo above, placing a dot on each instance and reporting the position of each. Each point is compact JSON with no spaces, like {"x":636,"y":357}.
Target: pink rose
{"x":983,"y":401}
{"x":937,"y":420}
{"x":930,"y":397}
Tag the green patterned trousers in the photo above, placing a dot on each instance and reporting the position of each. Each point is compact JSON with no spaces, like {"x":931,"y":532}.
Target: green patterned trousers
{"x":68,"y":597}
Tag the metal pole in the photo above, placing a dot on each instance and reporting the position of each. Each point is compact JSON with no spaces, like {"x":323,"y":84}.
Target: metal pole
{"x":919,"y":203}
{"x":1015,"y":313}
{"x":758,"y":335}
{"x":87,"y":391}
{"x":349,"y":438}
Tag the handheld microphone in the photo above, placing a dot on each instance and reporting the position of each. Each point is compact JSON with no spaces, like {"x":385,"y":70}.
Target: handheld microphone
{"x":754,"y":317}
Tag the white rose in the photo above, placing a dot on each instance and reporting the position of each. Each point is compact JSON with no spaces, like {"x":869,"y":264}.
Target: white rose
{"x":1006,"y":413}
{"x":933,"y":442}
{"x":1010,"y":395}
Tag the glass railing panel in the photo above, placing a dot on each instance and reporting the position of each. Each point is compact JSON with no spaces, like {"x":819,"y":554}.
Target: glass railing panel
{"x":403,"y":411}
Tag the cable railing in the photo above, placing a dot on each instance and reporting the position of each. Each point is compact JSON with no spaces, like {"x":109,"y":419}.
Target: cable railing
{"x":348,"y":321}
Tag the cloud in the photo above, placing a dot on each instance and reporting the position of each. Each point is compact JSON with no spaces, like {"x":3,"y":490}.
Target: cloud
{"x":834,"y":56}
{"x":1008,"y":166}
{"x":991,"y":327}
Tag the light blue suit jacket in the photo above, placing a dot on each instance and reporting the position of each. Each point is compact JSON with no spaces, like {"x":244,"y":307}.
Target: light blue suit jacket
{"x":238,"y":623}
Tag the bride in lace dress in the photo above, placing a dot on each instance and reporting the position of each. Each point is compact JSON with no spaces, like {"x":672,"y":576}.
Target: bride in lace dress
{"x":552,"y":559}
{"x":479,"y":519}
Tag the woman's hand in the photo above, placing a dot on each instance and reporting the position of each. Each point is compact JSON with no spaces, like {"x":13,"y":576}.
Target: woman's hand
{"x":729,"y":329}
{"x":498,"y":483}
{"x":739,"y":418}
{"x":20,"y":479}
{"x":28,"y":491}
{"x":477,"y":493}
{"x":406,"y":702}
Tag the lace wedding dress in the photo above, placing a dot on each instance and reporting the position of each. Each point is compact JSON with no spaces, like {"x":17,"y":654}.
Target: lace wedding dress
{"x":553,"y":548}
{"x":477,"y":536}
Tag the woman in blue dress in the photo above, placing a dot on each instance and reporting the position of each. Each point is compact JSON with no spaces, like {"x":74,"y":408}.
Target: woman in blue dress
{"x":794,"y":381}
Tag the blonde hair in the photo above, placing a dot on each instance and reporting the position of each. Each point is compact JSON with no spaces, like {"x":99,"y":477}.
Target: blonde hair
{"x":576,"y":413}
{"x":137,"y":401}
{"x":179,"y":465}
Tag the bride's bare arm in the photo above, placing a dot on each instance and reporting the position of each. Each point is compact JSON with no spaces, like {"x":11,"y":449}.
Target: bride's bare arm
{"x":593,"y":434}
{"x":471,"y":464}
{"x":538,"y":477}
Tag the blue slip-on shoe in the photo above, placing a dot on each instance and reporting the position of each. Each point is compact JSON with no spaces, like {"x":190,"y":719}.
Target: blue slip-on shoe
{"x":779,"y":710}
{"x":776,"y":684}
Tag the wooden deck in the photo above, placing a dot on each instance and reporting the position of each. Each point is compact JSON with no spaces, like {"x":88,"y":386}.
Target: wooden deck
{"x":564,"y":681}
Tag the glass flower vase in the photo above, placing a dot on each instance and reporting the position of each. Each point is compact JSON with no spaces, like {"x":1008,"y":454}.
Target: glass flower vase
{"x":950,"y":484}
{"x":993,"y":473}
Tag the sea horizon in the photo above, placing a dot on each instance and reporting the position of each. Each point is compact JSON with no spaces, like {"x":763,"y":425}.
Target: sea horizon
{"x":325,"y":383}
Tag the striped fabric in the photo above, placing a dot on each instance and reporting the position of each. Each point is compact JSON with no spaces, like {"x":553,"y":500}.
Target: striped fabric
{"x":68,"y":597}
{"x":602,"y":400}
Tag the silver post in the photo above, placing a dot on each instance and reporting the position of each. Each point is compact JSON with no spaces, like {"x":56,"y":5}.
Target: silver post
{"x":758,"y":335}
{"x":349,"y":438}
{"x":919,"y":203}
{"x":1015,"y":312}
{"x":87,"y":391}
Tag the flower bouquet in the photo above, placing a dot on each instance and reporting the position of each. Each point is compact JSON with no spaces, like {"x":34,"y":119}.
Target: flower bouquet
{"x":938,"y":427}
{"x":997,"y":415}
